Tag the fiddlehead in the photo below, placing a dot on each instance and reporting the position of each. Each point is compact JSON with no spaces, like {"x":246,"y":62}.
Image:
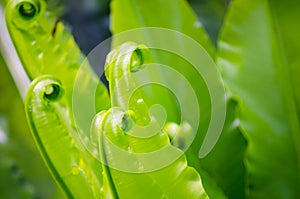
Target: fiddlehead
{"x":75,"y":170}
{"x":45,"y":47}
{"x":132,"y":162}
{"x":49,"y":102}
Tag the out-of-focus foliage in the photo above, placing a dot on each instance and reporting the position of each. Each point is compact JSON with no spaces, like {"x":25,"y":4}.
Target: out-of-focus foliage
{"x":56,"y":6}
{"x":176,"y":15}
{"x":259,"y":59}
{"x":3,"y":2}
{"x":23,"y":173}
{"x":229,"y":175}
{"x":211,"y":13}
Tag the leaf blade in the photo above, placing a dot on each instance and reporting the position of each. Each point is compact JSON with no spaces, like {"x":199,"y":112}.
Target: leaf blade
{"x":253,"y":69}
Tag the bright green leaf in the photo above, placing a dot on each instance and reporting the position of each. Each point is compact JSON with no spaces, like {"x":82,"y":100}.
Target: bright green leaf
{"x":172,"y":14}
{"x":17,"y":148}
{"x":258,"y":59}
{"x":178,"y":16}
{"x":176,"y":180}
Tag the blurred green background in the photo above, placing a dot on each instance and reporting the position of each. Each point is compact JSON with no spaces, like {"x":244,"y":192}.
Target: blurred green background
{"x":22,"y":171}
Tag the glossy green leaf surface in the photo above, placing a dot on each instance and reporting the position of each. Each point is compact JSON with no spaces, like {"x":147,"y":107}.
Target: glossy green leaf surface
{"x":181,"y":18}
{"x":131,"y":162}
{"x":174,"y":181}
{"x":19,"y":177}
{"x":172,"y":14}
{"x":73,"y":167}
{"x":145,"y":14}
{"x":258,"y":152}
{"x":257,"y":56}
{"x":45,"y":47}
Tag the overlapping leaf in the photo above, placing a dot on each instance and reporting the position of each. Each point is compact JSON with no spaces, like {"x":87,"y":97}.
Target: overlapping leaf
{"x":258,"y":58}
{"x":137,"y":14}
